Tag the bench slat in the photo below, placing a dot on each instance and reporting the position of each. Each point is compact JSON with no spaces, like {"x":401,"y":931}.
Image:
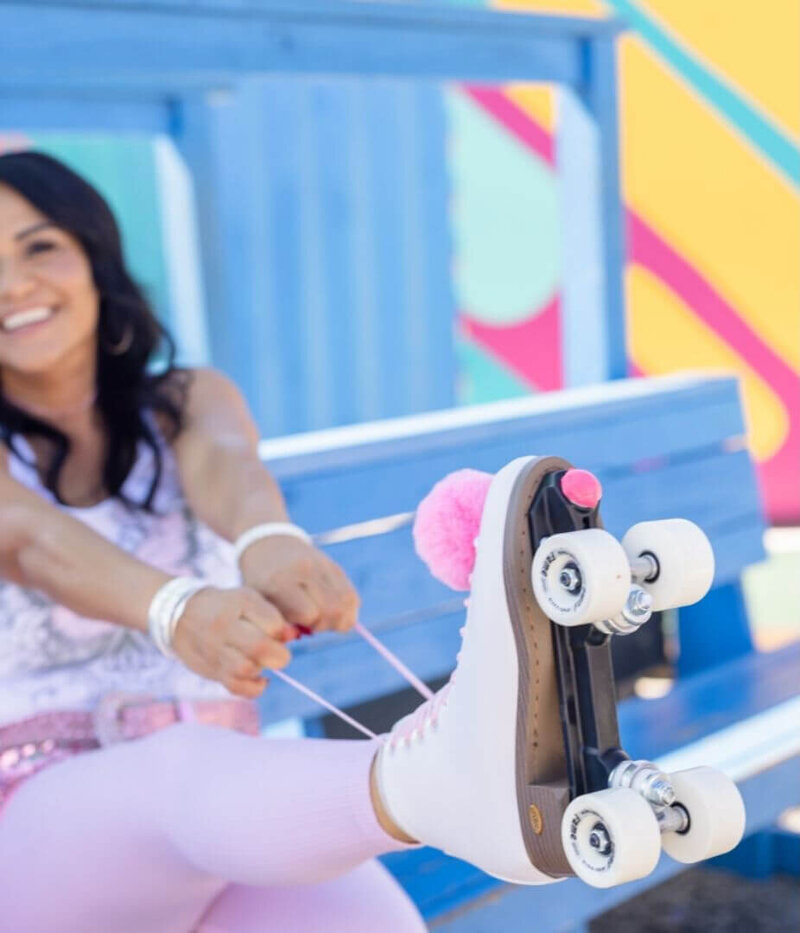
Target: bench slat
{"x":718,"y":495}
{"x":345,"y":485}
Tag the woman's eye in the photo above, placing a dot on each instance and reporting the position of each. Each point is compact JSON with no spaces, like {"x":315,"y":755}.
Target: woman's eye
{"x":40,"y":246}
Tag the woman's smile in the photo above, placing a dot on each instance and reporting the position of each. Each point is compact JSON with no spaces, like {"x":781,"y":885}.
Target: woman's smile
{"x":27,"y":320}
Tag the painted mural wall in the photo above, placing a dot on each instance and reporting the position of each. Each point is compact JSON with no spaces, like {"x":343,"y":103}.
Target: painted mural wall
{"x":710,"y":123}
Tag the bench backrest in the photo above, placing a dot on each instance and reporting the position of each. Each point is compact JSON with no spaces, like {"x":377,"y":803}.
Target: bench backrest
{"x":665,"y":447}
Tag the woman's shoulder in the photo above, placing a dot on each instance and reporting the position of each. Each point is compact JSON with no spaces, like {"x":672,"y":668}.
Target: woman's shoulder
{"x":213,"y":404}
{"x":206,"y":385}
{"x":191,"y":391}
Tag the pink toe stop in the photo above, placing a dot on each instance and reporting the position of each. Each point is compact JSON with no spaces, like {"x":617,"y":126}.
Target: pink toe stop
{"x":582,"y":488}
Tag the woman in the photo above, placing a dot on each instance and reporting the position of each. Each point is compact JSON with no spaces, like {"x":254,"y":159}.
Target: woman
{"x":122,"y":493}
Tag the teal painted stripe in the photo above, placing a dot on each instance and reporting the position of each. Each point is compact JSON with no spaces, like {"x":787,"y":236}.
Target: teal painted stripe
{"x":774,"y":144}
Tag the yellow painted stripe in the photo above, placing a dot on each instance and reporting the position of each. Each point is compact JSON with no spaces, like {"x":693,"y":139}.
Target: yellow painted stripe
{"x":537,"y":100}
{"x":756,"y":47}
{"x":665,"y":336}
{"x":712,"y":197}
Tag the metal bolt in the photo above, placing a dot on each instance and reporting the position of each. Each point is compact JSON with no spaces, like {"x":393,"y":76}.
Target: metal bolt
{"x":673,"y":819}
{"x":639,"y":602}
{"x":570,"y":579}
{"x":644,"y":568}
{"x":599,"y":839}
{"x":662,"y":793}
{"x":645,"y":778}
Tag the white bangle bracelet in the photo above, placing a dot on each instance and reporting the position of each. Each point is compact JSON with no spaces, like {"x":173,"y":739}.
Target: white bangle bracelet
{"x":265,"y":531}
{"x":166,"y":609}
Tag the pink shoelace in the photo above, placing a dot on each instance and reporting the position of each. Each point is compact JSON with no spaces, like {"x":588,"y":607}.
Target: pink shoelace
{"x":417,"y":721}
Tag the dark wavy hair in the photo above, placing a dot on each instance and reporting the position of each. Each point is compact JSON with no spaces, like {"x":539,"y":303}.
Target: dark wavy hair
{"x":129,"y":335}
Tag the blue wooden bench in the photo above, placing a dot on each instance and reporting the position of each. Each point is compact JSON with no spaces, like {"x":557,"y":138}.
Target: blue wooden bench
{"x":663,"y":447}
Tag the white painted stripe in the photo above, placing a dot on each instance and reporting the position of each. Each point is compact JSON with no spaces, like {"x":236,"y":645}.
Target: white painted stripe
{"x":746,"y":748}
{"x":182,"y":252}
{"x":782,"y":540}
{"x":395,"y":428}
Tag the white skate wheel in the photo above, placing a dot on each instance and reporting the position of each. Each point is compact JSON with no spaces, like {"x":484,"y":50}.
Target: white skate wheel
{"x":685,"y":560}
{"x":581,"y":576}
{"x":610,"y":837}
{"x":716,"y":815}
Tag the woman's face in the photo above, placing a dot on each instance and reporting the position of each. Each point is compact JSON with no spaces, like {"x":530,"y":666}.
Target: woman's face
{"x":49,"y":305}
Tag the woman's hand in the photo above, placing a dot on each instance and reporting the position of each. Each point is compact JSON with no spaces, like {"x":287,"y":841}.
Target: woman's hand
{"x":231,"y":635}
{"x":308,"y":588}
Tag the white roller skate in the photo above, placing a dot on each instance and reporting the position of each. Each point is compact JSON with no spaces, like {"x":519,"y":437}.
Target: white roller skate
{"x":453,"y":774}
{"x":516,"y":764}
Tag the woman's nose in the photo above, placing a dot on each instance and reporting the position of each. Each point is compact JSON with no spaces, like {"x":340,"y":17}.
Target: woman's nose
{"x":13,"y":280}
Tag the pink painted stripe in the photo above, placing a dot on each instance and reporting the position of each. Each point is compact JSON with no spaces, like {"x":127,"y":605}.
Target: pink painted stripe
{"x":514,"y":119}
{"x":531,"y":349}
{"x":779,"y":473}
{"x":648,"y":249}
{"x":651,"y":251}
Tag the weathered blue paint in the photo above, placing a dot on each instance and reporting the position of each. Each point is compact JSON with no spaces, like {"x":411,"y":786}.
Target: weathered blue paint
{"x":698,"y":650}
{"x":113,"y":43}
{"x":323,"y":207}
{"x":764,"y":854}
{"x":593,"y":248}
{"x":327,"y":274}
{"x":85,"y":111}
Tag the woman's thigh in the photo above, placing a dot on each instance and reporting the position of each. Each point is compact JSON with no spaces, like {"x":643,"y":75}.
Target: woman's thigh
{"x":80,"y":849}
{"x":366,"y":900}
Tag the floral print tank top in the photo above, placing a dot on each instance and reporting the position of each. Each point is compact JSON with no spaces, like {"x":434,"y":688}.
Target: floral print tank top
{"x":53,"y":659}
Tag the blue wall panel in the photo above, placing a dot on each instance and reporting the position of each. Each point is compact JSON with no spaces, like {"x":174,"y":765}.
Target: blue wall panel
{"x":336,"y":304}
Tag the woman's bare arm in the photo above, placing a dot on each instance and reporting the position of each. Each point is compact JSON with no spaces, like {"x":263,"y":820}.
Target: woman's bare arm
{"x":229,"y":489}
{"x":222,"y":478}
{"x":47,"y":549}
{"x":228,"y":635}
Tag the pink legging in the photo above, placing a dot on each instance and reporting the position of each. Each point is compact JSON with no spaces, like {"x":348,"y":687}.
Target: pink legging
{"x":198,"y":828}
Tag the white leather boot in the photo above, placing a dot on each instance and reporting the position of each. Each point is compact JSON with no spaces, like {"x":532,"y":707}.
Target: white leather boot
{"x":447,"y":773}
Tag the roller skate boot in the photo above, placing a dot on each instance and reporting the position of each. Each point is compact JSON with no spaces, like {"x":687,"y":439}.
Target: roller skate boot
{"x":516,"y":765}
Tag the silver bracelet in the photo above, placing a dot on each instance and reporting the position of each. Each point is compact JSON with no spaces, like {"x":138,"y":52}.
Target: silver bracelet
{"x":166,"y":609}
{"x":266,"y":530}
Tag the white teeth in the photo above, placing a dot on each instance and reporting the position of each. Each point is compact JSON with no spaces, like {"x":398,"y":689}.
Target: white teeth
{"x":22,"y":318}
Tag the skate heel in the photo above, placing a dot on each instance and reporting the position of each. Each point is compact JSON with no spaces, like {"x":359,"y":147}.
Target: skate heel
{"x":544,"y":806}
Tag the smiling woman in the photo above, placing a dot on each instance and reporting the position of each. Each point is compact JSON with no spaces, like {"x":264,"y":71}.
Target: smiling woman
{"x":75,"y":332}
{"x":148,"y":575}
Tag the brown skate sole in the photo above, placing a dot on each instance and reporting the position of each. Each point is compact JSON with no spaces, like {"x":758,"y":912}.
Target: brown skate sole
{"x":542,"y":782}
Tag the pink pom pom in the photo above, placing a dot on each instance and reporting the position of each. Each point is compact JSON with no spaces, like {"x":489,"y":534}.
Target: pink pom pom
{"x":446,"y":524}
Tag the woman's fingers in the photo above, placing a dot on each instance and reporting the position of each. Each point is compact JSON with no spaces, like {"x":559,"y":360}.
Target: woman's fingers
{"x":298,"y":605}
{"x":341,"y":596}
{"x":258,"y":648}
{"x":324,"y":593}
{"x":265,"y":615}
{"x":249,"y":689}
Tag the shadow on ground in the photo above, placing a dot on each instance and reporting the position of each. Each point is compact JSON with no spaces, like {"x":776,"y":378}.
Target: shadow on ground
{"x":704,"y":900}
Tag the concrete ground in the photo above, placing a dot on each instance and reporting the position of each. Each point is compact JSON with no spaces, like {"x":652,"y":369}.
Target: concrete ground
{"x":705,"y":900}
